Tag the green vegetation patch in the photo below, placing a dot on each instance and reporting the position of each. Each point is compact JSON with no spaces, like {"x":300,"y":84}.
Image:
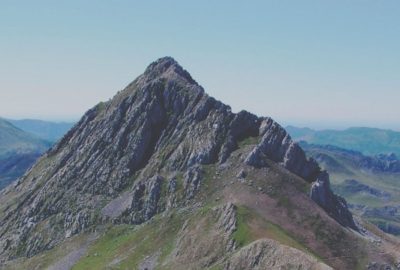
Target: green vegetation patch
{"x":249,"y":141}
{"x":126,"y":246}
{"x":209,"y":180}
{"x":251,"y":227}
{"x":242,"y":235}
{"x":100,"y":107}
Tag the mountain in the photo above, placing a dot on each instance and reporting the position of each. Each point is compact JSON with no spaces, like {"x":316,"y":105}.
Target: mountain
{"x":164,"y":176}
{"x":369,"y":141}
{"x":13,"y":139}
{"x":49,"y":131}
{"x":369,"y":183}
{"x":18,"y":151}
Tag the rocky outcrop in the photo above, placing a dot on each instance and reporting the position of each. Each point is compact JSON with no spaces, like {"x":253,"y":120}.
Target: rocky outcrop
{"x":269,"y":254}
{"x":191,"y":182}
{"x":227,"y":220}
{"x":333,"y":204}
{"x":145,"y":201}
{"x":277,"y":145}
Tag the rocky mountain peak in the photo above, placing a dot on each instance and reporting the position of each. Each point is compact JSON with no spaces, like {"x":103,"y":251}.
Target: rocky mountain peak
{"x":167,"y":67}
{"x":140,"y":154}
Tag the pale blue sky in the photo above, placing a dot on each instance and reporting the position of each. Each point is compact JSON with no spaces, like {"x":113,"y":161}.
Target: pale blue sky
{"x":310,"y":63}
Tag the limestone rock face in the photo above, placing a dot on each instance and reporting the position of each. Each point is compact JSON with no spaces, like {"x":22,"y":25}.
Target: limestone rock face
{"x":145,"y":198}
{"x":227,"y":220}
{"x":138,"y":154}
{"x":277,"y":145}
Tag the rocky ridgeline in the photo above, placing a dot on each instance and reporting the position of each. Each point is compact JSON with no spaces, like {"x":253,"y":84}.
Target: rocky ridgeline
{"x":139,"y":154}
{"x":277,"y":145}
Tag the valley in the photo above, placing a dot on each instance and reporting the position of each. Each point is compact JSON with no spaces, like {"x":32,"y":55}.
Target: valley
{"x":369,"y":184}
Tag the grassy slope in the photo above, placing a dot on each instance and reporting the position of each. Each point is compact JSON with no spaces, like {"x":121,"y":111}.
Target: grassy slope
{"x":125,"y":246}
{"x":251,"y":227}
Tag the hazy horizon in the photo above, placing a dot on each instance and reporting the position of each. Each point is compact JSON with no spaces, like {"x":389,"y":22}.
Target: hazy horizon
{"x":314,"y":64}
{"x":311,"y":125}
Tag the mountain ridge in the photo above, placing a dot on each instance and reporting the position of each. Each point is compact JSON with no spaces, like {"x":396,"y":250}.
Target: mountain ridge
{"x":369,"y":141}
{"x":13,"y":139}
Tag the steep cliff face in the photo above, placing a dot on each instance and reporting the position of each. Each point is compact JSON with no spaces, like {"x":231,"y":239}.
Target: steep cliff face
{"x":139,"y":154}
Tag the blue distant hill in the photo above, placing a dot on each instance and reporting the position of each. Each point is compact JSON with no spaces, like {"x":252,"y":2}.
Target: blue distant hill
{"x":49,"y":131}
{"x":22,"y":142}
{"x":369,"y":141}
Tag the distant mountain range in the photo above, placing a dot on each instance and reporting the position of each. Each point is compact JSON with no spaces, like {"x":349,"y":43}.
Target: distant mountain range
{"x":364,"y":167}
{"x":22,"y":142}
{"x":15,"y":140}
{"x":369,"y":141}
{"x":49,"y":131}
{"x":15,"y":165}
{"x":370,"y":184}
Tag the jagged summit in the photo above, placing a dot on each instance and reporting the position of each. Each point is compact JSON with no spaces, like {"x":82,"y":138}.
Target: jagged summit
{"x":159,"y":145}
{"x":162,"y":64}
{"x":167,"y":67}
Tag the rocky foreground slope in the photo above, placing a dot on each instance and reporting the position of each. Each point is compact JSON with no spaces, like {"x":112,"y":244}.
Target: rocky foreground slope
{"x":164,"y":176}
